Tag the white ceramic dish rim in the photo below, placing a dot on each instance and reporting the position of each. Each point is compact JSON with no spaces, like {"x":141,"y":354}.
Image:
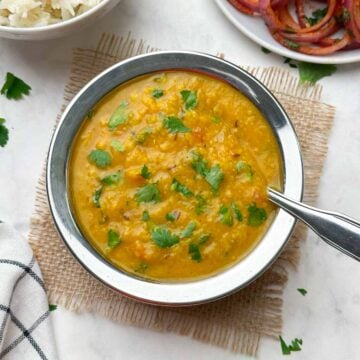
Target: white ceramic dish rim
{"x":57,"y":26}
{"x":163,"y":293}
{"x":337,"y":58}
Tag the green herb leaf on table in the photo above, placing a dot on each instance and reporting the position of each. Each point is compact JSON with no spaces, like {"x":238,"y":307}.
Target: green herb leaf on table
{"x":163,"y":237}
{"x":194,"y":251}
{"x":237,"y":211}
{"x":175,"y":125}
{"x":4,"y":133}
{"x":52,"y":307}
{"x":311,"y":73}
{"x":265,"y":50}
{"x":225,"y":216}
{"x":112,"y":179}
{"x":187,"y":232}
{"x":145,"y":173}
{"x":148,"y":193}
{"x":157,"y":93}
{"x":189,"y":98}
{"x":117,"y":145}
{"x":257,"y":216}
{"x":113,"y":239}
{"x":145,"y":215}
{"x":316,"y":16}
{"x":294,"y":346}
{"x":180,"y":188}
{"x":14,"y":88}
{"x":302,"y":291}
{"x":96,"y":196}
{"x":119,"y":116}
{"x":100,"y":158}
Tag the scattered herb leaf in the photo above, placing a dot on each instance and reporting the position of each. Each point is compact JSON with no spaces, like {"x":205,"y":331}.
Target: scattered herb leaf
{"x":214,"y":177}
{"x":141,"y":268}
{"x":291,"y":44}
{"x":145,"y":173}
{"x":4,"y":133}
{"x":302,"y":291}
{"x":316,"y":16}
{"x":194,"y":251}
{"x":90,"y":114}
{"x":142,"y":136}
{"x":188,"y":230}
{"x":287,"y":349}
{"x":203,"y":238}
{"x":199,"y":164}
{"x":117,"y":145}
{"x":175,"y":125}
{"x":112,"y":179}
{"x":157,"y":93}
{"x":344,"y":17}
{"x":237,"y":211}
{"x":14,"y":88}
{"x":243,"y":167}
{"x":189,"y":98}
{"x":163,"y":237}
{"x":148,"y":193}
{"x":225,"y":216}
{"x":100,"y":158}
{"x":170,"y":216}
{"x":311,"y":73}
{"x":113,"y":238}
{"x":145,"y":215}
{"x":180,"y":188}
{"x":119,"y":116}
{"x":52,"y":307}
{"x":265,"y":50}
{"x":257,"y":216}
{"x":96,"y":197}
{"x":216,"y":119}
{"x":200,"y":205}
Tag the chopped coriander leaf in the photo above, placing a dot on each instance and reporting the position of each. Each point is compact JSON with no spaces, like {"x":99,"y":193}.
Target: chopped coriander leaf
{"x":311,"y":73}
{"x":172,"y":216}
{"x":145,"y":215}
{"x":141,"y":268}
{"x":52,"y":307}
{"x":142,"y":136}
{"x":294,"y":66}
{"x":189,"y":98}
{"x":157,"y":93}
{"x":163,"y":237}
{"x":284,"y":348}
{"x":100,"y":158}
{"x":194,"y":251}
{"x":148,"y":193}
{"x":96,"y":197}
{"x":291,"y":44}
{"x":302,"y":291}
{"x":90,"y":114}
{"x":287,"y":349}
{"x":201,"y":204}
{"x":214,"y":177}
{"x":175,"y":125}
{"x":257,"y":216}
{"x":203,"y":238}
{"x":113,"y":238}
{"x":198,"y":163}
{"x":216,"y":119}
{"x":344,"y":16}
{"x":316,"y":16}
{"x":119,"y":116}
{"x":117,"y":145}
{"x":14,"y":88}
{"x":161,"y":78}
{"x":188,"y":230}
{"x":145,"y":173}
{"x":237,"y":211}
{"x":242,"y":167}
{"x":112,"y":179}
{"x":180,"y":188}
{"x":265,"y":50}
{"x":225,"y":216}
{"x":4,"y":133}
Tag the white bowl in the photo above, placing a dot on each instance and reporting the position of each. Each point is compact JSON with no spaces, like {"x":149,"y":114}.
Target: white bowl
{"x":62,"y":28}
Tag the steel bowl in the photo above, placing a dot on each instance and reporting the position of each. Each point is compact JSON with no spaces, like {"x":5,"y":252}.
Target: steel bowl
{"x":187,"y":292}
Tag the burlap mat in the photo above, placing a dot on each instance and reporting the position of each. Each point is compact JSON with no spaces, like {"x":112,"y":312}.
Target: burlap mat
{"x":237,"y":322}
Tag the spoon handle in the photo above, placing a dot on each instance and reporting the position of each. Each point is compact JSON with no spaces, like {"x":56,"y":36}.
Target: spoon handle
{"x":336,"y":229}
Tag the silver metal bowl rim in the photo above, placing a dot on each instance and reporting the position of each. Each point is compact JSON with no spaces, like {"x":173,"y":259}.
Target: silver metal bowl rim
{"x":221,"y":284}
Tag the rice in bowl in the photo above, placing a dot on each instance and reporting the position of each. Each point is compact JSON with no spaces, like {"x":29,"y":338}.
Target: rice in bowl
{"x":35,"y":13}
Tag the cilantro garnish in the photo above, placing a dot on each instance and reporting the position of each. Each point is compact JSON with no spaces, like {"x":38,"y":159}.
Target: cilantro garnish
{"x":287,"y":349}
{"x":188,"y":230}
{"x":96,"y":197}
{"x":265,"y":50}
{"x":257,"y":216}
{"x":113,"y":238}
{"x":100,"y":158}
{"x":194,"y":251}
{"x":163,"y":237}
{"x":316,"y":16}
{"x":157,"y":93}
{"x":141,"y":268}
{"x":344,"y":17}
{"x":201,"y":204}
{"x":203,"y":238}
{"x":189,"y":98}
{"x":112,"y":179}
{"x":242,"y":167}
{"x":117,"y":145}
{"x":90,"y":114}
{"x":178,"y":187}
{"x":4,"y":133}
{"x":145,"y":215}
{"x":311,"y":73}
{"x":145,"y":173}
{"x":237,"y":211}
{"x":52,"y":307}
{"x":175,"y":125}
{"x":172,"y":216}
{"x":302,"y":291}
{"x":143,"y":135}
{"x":119,"y":116}
{"x":216,"y":119}
{"x":148,"y":193}
{"x":291,"y":44}
{"x":14,"y":88}
{"x":199,"y":164}
{"x":225,"y":216}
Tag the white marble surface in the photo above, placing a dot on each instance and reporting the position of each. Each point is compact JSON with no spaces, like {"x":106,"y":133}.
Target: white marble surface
{"x":327,"y":319}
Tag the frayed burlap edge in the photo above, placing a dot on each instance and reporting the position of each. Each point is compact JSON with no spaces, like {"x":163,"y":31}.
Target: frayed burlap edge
{"x":235,"y":323}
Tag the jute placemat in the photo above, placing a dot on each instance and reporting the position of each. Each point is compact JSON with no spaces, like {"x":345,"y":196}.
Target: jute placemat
{"x":237,"y":322}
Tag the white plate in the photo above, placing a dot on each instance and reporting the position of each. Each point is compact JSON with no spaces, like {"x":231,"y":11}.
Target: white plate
{"x":256,"y":30}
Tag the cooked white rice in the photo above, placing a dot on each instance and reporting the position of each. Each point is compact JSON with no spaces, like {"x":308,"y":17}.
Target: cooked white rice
{"x":30,"y":13}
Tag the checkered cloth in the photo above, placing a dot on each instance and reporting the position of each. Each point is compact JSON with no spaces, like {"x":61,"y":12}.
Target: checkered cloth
{"x":25,"y":328}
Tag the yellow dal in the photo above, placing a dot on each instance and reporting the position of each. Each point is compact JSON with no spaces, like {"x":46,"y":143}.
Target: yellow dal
{"x":225,"y":128}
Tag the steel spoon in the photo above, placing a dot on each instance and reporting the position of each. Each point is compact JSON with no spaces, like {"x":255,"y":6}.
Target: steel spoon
{"x":336,"y":229}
